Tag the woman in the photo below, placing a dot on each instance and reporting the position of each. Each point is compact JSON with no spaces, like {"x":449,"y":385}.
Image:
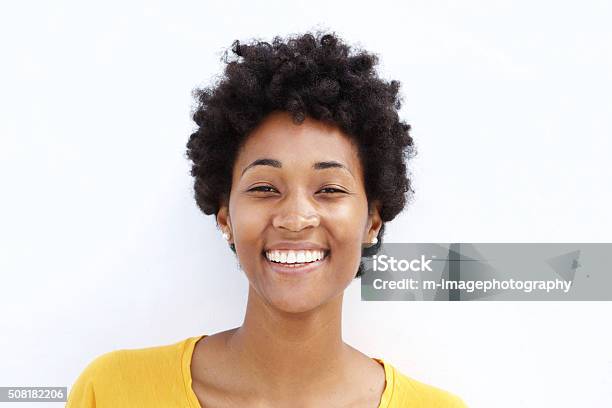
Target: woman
{"x":300,"y":155}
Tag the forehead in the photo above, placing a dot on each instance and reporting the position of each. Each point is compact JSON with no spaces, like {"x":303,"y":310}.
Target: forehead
{"x":300,"y":145}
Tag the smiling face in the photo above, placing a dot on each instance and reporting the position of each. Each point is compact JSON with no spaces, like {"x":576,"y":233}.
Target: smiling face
{"x":298,"y":187}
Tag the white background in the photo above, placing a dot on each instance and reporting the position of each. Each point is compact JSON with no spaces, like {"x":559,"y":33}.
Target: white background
{"x":102,"y":246}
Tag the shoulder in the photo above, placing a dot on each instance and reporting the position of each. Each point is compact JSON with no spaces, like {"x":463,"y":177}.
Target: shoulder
{"x":121,"y":374}
{"x":408,"y":391}
{"x":132,"y":361}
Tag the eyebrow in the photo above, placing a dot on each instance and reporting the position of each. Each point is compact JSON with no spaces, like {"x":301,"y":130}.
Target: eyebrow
{"x":316,"y":166}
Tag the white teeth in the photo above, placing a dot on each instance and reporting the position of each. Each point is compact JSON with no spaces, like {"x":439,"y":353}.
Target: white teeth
{"x":290,"y":256}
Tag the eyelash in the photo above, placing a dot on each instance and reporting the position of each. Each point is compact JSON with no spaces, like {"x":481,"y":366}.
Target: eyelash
{"x":336,"y":190}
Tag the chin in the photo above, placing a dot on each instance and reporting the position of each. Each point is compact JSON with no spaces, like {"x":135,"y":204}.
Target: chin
{"x":293,"y":305}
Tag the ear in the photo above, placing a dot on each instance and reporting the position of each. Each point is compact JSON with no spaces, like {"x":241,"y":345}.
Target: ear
{"x":224,"y":221}
{"x":374,"y":222}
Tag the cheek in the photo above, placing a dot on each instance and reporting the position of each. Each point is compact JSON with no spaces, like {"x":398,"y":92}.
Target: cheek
{"x":247,"y":224}
{"x":348,"y":224}
{"x":347,"y":227}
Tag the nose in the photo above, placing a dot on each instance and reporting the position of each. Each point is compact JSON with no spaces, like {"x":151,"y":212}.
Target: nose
{"x":296,"y":212}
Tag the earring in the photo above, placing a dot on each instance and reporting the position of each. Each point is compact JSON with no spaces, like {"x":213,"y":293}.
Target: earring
{"x":226,"y":235}
{"x":375,"y":240}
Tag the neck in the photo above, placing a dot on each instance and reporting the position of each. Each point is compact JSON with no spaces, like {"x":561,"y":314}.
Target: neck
{"x":290,"y":351}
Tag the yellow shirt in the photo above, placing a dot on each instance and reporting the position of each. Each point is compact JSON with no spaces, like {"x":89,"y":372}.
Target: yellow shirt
{"x":161,"y":377}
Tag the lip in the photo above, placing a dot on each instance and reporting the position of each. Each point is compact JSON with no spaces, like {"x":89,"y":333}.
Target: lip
{"x":296,"y":270}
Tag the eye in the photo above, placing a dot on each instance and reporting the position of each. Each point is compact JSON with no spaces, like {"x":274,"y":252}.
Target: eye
{"x":270,"y":189}
{"x":332,"y":190}
{"x":263,"y":189}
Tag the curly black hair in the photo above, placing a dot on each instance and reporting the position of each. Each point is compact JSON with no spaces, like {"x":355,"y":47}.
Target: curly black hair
{"x":310,"y":74}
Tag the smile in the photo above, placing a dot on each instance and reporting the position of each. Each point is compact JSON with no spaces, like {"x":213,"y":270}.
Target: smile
{"x":295,"y":261}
